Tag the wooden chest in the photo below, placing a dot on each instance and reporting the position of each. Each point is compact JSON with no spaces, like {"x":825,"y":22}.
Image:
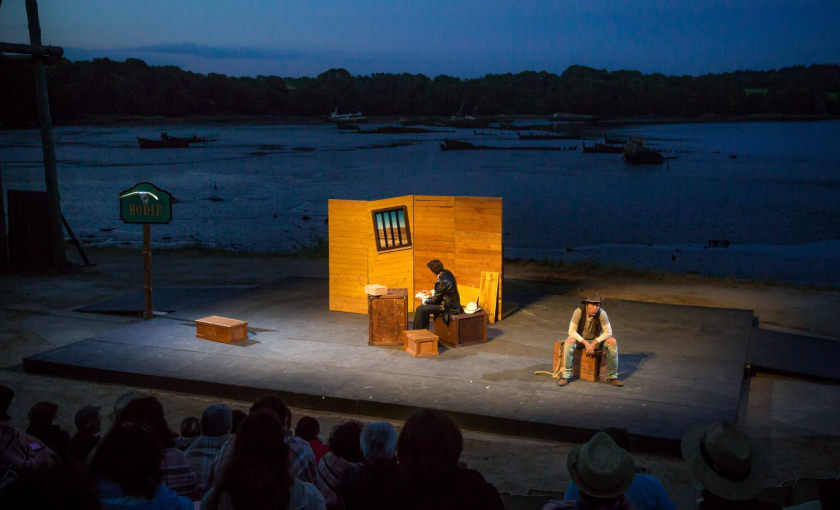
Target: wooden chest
{"x":420,"y":342}
{"x":221,"y":329}
{"x":387,"y":317}
{"x":463,"y":329}
{"x":589,"y":368}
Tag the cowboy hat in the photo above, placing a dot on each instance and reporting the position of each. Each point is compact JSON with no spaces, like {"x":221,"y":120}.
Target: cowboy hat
{"x":600,"y":468}
{"x":725,"y":460}
{"x":471,"y":307}
{"x":592,"y":298}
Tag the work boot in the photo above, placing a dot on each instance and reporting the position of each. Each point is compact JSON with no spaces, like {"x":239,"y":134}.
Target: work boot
{"x":616,"y":382}
{"x":562,"y":382}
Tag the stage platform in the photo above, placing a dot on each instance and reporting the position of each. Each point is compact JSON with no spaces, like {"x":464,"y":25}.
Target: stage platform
{"x":681,"y":365}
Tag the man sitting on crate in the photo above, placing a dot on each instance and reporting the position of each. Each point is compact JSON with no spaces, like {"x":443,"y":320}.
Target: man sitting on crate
{"x":444,"y":300}
{"x":591,"y":327}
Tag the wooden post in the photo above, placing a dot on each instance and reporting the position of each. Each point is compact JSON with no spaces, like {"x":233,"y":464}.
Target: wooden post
{"x":147,"y":272}
{"x":4,"y":242}
{"x":57,"y":256}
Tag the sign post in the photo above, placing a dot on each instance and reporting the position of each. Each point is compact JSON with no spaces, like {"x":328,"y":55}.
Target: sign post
{"x":146,"y":203}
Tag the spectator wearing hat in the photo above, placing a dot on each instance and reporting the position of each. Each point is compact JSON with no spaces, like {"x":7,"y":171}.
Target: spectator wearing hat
{"x":88,"y":424}
{"x":308,"y":428}
{"x":373,"y":485}
{"x":19,"y":453}
{"x":41,"y":418}
{"x":591,"y":327}
{"x":444,"y":301}
{"x":731,"y":468}
{"x":216,"y":423}
{"x":646,"y":492}
{"x":603,"y":472}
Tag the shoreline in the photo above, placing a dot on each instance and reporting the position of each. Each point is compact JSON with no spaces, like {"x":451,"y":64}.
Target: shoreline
{"x":142,"y":120}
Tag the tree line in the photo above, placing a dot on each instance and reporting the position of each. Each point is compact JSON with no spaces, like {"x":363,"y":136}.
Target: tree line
{"x":106,"y":87}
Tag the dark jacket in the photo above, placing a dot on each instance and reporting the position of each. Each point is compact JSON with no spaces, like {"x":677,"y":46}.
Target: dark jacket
{"x":446,"y":294}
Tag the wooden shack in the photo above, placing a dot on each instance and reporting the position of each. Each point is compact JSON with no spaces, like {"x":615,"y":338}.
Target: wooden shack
{"x":389,"y":242}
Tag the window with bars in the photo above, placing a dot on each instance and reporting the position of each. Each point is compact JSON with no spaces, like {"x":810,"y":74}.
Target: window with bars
{"x":390,"y":228}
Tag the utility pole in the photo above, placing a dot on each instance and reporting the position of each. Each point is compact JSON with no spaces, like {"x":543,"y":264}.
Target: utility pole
{"x":57,"y":255}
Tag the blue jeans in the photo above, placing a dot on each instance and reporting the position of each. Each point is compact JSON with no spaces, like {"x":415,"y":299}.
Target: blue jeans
{"x":612,"y":356}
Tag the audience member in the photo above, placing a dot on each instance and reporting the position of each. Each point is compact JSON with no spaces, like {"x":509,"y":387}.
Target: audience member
{"x":123,"y":400}
{"x":53,"y":487}
{"x":308,"y":429}
{"x":602,"y":473}
{"x":372,"y":485}
{"x":646,"y":492}
{"x":728,"y":464}
{"x":301,"y":458}
{"x":257,"y":475}
{"x":88,"y":424}
{"x":190,"y":430}
{"x":345,"y":453}
{"x":175,"y":470}
{"x":216,"y":423}
{"x":428,"y":449}
{"x":238,"y":416}
{"x":19,"y":453}
{"x":41,"y":417}
{"x":126,"y":465}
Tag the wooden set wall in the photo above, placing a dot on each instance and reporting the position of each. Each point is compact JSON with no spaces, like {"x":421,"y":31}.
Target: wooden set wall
{"x":465,"y":233}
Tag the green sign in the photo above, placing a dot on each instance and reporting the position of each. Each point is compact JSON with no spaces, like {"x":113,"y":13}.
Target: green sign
{"x":145,"y":203}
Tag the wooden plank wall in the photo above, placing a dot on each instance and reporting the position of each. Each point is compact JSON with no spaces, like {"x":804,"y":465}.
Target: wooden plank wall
{"x":478,"y":238}
{"x":465,"y":233}
{"x":350,"y":234}
{"x":434,"y":238}
{"x":395,"y":268}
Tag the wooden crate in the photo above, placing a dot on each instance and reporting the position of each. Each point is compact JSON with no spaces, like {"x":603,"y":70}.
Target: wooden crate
{"x":463,"y":329}
{"x":420,"y":342}
{"x":586,"y":367}
{"x":221,"y":329}
{"x":387,"y":317}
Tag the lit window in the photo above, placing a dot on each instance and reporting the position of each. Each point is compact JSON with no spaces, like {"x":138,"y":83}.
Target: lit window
{"x":390,"y":227}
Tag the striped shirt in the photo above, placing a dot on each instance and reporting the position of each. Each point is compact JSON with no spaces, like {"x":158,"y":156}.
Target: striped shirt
{"x":177,"y":474}
{"x":202,"y":456}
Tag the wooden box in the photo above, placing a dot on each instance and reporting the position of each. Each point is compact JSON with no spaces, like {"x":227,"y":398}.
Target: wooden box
{"x":420,"y":342}
{"x":387,"y":317}
{"x":588,"y":368}
{"x":221,"y":329}
{"x":463,"y":329}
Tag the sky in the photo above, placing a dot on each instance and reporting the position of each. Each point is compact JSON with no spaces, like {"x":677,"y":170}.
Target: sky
{"x":466,"y":39}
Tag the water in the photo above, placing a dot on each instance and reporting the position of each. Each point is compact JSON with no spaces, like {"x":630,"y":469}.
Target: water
{"x":768,"y":188}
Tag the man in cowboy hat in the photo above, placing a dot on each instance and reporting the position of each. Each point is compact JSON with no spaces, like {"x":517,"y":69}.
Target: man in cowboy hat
{"x":591,"y":327}
{"x":603,"y":472}
{"x":444,"y":300}
{"x":729,"y":466}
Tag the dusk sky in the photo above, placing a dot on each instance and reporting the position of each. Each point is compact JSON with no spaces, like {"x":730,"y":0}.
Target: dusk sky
{"x":466,"y":39}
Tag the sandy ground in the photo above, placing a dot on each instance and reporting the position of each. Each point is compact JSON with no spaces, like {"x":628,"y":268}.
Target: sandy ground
{"x":793,"y":420}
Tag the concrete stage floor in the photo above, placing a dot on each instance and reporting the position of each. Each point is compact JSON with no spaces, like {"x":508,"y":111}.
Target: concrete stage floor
{"x":681,"y":365}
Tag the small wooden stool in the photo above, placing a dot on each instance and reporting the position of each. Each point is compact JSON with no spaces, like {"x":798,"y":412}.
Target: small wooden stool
{"x":221,"y":329}
{"x":588,"y":368}
{"x":420,"y":342}
{"x":463,"y":329}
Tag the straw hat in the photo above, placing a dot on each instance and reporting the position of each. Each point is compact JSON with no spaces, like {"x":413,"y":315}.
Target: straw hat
{"x":600,"y":468}
{"x":725,"y":460}
{"x":471,"y":307}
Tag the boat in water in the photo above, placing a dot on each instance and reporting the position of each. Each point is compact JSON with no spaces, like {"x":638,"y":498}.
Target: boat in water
{"x":346,"y":117}
{"x":636,"y":153}
{"x":602,"y":148}
{"x":169,"y":142}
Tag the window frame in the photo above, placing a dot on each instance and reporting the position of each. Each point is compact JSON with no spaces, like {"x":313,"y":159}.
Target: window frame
{"x":384,"y":213}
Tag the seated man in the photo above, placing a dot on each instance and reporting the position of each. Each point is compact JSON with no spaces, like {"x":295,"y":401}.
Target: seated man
{"x":591,"y":327}
{"x":445,"y":299}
